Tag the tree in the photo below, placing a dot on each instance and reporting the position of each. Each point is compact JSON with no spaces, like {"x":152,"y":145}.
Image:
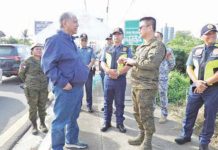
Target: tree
{"x":12,"y":40}
{"x":182,"y":44}
{"x":184,"y":41}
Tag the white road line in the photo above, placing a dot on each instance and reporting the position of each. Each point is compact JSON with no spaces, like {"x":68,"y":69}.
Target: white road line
{"x":13,"y":129}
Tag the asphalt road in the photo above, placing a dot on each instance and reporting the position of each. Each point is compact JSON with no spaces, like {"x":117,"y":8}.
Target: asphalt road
{"x":13,"y":104}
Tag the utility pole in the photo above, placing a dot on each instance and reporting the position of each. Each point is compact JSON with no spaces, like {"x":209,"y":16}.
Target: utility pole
{"x":107,"y":11}
{"x":85,"y":6}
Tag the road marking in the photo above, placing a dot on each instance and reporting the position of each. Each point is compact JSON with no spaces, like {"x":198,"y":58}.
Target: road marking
{"x":13,"y":129}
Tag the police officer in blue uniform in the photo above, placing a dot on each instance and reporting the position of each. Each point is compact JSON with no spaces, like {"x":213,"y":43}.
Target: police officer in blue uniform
{"x":115,"y":80}
{"x":108,"y":45}
{"x":202,"y":68}
{"x":88,"y":57}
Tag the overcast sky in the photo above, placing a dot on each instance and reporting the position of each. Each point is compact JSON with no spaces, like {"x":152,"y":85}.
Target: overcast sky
{"x":17,"y":15}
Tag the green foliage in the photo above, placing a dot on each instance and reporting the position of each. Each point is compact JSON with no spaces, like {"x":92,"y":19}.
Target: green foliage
{"x":12,"y":40}
{"x":182,"y":44}
{"x":184,"y":41}
{"x":178,"y":86}
{"x":181,"y":58}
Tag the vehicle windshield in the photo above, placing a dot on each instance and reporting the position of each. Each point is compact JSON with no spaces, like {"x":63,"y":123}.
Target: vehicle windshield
{"x":23,"y":51}
{"x":7,"y":51}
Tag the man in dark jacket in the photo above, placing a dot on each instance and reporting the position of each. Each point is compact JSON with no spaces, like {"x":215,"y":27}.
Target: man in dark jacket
{"x":62,"y":64}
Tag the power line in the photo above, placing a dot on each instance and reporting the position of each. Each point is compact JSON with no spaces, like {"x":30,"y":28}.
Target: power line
{"x":124,"y":17}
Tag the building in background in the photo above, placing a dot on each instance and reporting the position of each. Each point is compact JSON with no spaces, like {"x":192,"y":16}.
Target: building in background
{"x":2,"y":34}
{"x":168,"y":33}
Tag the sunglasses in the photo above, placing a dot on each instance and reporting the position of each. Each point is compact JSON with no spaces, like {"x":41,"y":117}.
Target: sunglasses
{"x":143,"y":26}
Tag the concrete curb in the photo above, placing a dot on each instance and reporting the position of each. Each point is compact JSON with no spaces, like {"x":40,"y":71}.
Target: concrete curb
{"x":10,"y":137}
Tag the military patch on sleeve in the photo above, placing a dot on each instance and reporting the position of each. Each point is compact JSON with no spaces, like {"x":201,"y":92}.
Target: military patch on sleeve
{"x":125,"y":48}
{"x":215,"y":51}
{"x":198,"y":52}
{"x":22,"y":66}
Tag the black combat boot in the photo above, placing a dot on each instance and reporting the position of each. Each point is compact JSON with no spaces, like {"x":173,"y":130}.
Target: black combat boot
{"x":34,"y":129}
{"x":182,"y":140}
{"x":203,"y":147}
{"x":42,"y":126}
{"x":105,"y":127}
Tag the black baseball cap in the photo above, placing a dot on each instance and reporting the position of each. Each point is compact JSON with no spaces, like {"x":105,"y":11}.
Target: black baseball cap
{"x":109,"y":37}
{"x":207,"y":28}
{"x":118,"y":30}
{"x":83,"y":36}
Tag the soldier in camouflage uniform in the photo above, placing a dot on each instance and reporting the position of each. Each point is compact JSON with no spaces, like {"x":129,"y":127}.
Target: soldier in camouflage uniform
{"x":166,"y":66}
{"x":35,"y":87}
{"x":145,"y":72}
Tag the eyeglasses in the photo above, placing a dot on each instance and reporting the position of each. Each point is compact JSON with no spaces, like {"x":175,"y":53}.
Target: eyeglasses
{"x":143,"y":26}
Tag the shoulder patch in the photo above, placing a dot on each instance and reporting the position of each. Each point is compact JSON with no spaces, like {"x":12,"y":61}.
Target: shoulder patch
{"x":23,"y":66}
{"x":125,"y":48}
{"x":215,"y":51}
{"x":198,"y":51}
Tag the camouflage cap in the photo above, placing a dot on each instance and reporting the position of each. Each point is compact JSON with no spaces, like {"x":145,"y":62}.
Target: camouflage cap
{"x":35,"y":45}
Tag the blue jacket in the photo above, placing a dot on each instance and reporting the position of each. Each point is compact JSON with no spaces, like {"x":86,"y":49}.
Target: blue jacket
{"x":61,"y":61}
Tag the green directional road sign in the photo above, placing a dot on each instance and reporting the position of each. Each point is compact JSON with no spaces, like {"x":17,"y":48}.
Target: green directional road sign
{"x":131,"y":36}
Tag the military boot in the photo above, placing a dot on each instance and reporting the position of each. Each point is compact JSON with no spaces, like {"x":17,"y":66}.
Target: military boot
{"x":163,"y":120}
{"x":137,"y":140}
{"x":146,"y":144}
{"x":42,"y":126}
{"x":203,"y":147}
{"x":34,"y":129}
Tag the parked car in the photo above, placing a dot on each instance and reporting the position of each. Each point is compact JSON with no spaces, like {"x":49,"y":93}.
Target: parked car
{"x":11,"y":56}
{"x":0,"y":76}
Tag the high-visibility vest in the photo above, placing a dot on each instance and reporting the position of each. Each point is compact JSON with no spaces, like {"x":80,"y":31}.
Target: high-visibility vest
{"x":110,"y":53}
{"x":209,"y":66}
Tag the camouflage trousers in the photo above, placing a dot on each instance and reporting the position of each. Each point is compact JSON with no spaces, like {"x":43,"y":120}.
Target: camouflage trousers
{"x":37,"y":103}
{"x":143,"y":100}
{"x":163,"y":90}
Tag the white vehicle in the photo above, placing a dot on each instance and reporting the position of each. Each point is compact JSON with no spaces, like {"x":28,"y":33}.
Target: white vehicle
{"x":0,"y":75}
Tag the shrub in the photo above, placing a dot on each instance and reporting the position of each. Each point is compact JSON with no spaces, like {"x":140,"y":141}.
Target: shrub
{"x":178,"y":87}
{"x":181,"y":58}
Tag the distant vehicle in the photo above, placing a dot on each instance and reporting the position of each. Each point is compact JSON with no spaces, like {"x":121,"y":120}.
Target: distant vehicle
{"x":11,"y":56}
{"x":0,"y":75}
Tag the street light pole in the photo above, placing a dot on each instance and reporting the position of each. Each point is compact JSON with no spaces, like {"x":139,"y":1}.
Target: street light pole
{"x":85,"y":6}
{"x":107,"y":11}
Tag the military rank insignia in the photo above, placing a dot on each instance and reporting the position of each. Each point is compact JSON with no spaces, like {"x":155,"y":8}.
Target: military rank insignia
{"x":210,"y":26}
{"x":215,"y":51}
{"x":198,"y":52}
{"x":125,"y":49}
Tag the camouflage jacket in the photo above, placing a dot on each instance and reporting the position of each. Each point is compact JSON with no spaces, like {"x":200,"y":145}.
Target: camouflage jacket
{"x":148,"y":57}
{"x":166,"y":66}
{"x":31,"y":74}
